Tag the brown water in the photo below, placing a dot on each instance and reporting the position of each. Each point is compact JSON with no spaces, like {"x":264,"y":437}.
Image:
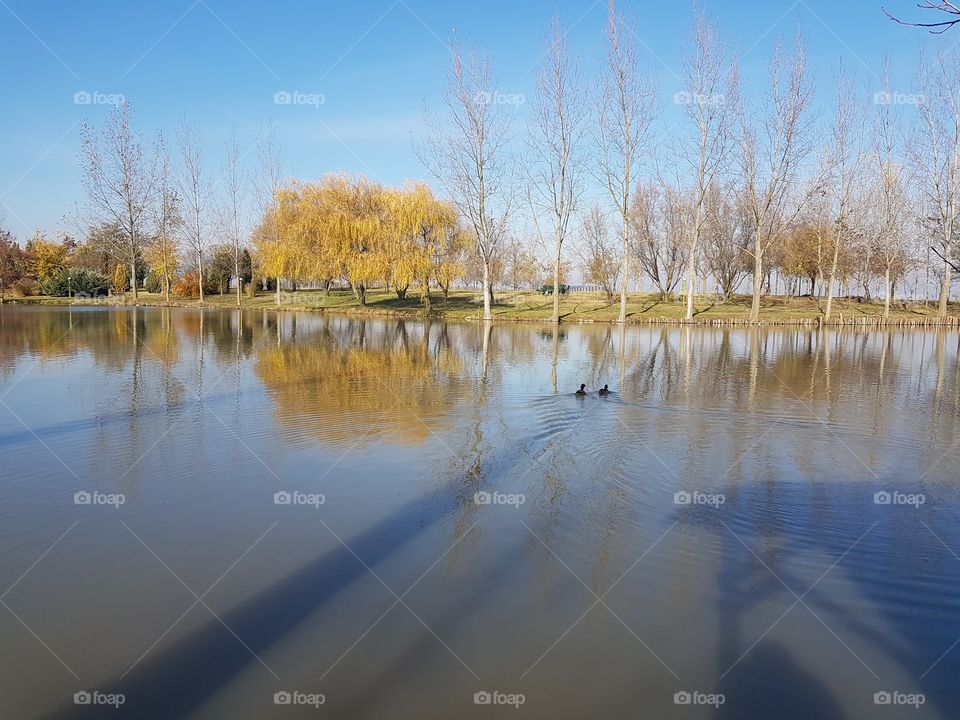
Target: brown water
{"x":586,"y":588}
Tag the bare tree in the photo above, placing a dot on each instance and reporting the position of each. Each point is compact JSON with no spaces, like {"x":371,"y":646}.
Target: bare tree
{"x":710,"y":86}
{"x":657,"y":224}
{"x":626,"y":112}
{"x":555,"y":167}
{"x":599,"y":253}
{"x":889,"y":200}
{"x":938,"y":26}
{"x":935,"y":154}
{"x":232,"y":214}
{"x":726,"y":239}
{"x":195,"y":193}
{"x":266,"y":182}
{"x":166,"y":215}
{"x":119,"y":183}
{"x":773,"y":147}
{"x":846,"y":162}
{"x":468,"y":154}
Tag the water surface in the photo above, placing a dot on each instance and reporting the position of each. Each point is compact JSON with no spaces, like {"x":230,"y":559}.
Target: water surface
{"x":589,"y":586}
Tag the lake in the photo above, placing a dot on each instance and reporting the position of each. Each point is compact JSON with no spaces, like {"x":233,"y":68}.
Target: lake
{"x":215,"y":514}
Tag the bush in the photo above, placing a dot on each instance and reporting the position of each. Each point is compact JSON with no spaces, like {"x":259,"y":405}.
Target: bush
{"x":153,"y":283}
{"x":187,"y":285}
{"x":76,"y":282}
{"x":24,"y":287}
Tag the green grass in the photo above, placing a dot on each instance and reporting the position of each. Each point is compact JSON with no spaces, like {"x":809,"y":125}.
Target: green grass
{"x":533,"y":307}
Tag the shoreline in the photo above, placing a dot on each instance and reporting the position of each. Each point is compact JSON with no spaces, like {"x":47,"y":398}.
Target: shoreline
{"x":778,"y":313}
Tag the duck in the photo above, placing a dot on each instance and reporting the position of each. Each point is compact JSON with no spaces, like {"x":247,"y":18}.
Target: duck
{"x":581,"y":391}
{"x":604,"y":390}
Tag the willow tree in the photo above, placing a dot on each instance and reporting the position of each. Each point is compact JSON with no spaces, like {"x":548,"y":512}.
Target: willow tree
{"x":421,"y":227}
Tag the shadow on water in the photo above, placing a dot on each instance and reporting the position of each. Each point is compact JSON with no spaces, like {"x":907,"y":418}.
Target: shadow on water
{"x":769,"y":684}
{"x":174,"y":682}
{"x":765,"y":680}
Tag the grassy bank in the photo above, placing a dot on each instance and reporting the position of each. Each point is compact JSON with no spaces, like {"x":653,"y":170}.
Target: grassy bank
{"x":532,"y":307}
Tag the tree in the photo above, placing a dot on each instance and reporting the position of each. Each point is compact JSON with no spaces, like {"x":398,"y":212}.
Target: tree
{"x":935,"y":153}
{"x":846,"y":161}
{"x":936,"y":27}
{"x":774,"y":140}
{"x":118,"y":182}
{"x":46,"y":259}
{"x":162,"y":252}
{"x":658,"y":242}
{"x":120,"y":279}
{"x":626,"y":112}
{"x":710,"y":86}
{"x":889,"y":201}
{"x":419,"y":228}
{"x":12,"y":262}
{"x":194,"y":190}
{"x":220,"y":269}
{"x":469,"y":156}
{"x":555,"y":167}
{"x":726,"y":239}
{"x":266,"y":183}
{"x":600,"y":255}
{"x":232,"y":212}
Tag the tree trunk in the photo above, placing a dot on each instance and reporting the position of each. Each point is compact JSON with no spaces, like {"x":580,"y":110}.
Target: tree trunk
{"x":133,"y":279}
{"x":757,"y":283}
{"x":426,"y":295}
{"x":691,"y":283}
{"x":886,"y":292}
{"x":200,"y":276}
{"x":945,"y":287}
{"x":556,"y":286}
{"x":624,"y":278}
{"x":487,"y":293}
{"x":278,"y":291}
{"x":236,"y":267}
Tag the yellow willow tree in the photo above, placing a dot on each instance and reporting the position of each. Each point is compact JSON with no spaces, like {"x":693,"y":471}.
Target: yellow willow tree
{"x":278,"y":239}
{"x":419,"y":229}
{"x":354,"y":218}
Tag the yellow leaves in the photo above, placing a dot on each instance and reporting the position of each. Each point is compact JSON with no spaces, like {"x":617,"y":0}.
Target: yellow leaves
{"x":352,"y":228}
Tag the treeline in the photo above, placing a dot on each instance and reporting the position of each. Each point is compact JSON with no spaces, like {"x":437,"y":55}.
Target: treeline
{"x":700,"y":187}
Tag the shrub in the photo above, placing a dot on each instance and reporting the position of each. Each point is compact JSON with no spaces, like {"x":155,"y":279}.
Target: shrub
{"x":76,"y":282}
{"x":153,"y":283}
{"x":120,"y":279}
{"x":187,"y":285}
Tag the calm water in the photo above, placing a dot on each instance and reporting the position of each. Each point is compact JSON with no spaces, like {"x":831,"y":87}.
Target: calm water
{"x":585,"y":588}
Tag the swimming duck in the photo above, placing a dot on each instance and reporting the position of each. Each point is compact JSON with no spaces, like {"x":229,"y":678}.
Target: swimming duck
{"x":604,"y":390}
{"x":581,"y":391}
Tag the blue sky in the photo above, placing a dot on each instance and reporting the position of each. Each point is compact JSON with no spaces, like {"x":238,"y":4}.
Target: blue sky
{"x":220,"y":62}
